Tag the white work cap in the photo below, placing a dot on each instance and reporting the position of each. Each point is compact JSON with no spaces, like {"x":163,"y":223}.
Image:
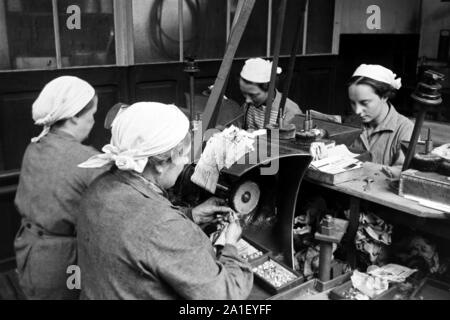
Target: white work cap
{"x":379,"y":73}
{"x":258,"y":70}
{"x":140,"y":131}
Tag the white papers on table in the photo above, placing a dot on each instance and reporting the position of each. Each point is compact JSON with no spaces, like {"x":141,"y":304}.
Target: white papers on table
{"x":392,"y":272}
{"x":339,"y":159}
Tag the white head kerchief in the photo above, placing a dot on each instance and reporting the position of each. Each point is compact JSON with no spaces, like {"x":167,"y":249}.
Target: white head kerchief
{"x":258,"y":70}
{"x":62,"y":98}
{"x":378,"y":73}
{"x":140,"y":131}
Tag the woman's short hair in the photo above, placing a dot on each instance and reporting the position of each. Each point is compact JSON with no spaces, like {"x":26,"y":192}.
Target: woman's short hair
{"x":382,"y":89}
{"x":263,"y":86}
{"x":88,"y":107}
{"x":179,"y":151}
{"x":80,"y":113}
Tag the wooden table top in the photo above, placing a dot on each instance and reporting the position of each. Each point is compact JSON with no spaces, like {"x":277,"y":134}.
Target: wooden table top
{"x":380,"y":193}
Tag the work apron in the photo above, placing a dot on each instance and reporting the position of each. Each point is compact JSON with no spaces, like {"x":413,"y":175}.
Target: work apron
{"x":42,"y":262}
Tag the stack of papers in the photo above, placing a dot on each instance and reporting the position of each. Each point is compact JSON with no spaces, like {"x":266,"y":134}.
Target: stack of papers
{"x":392,"y":272}
{"x":339,"y":159}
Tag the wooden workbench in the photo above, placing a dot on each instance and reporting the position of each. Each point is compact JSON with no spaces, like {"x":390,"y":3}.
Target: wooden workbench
{"x":381,"y":194}
{"x":404,"y":211}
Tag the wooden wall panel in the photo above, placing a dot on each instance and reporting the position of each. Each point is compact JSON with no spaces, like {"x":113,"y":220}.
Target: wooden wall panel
{"x":107,"y":97}
{"x":10,"y":222}
{"x":16,"y":126}
{"x":319,"y":87}
{"x":158,"y":91}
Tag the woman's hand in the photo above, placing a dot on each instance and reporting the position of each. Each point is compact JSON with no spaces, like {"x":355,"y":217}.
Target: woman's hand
{"x":210,"y":211}
{"x":233,"y":233}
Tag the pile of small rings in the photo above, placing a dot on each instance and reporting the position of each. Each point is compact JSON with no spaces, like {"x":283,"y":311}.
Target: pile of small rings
{"x":274,"y":273}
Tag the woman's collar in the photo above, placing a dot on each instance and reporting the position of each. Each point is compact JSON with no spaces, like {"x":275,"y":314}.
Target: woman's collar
{"x":141,"y":184}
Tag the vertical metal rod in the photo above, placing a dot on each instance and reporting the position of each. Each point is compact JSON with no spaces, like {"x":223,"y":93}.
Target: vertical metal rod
{"x":355,"y":212}
{"x":269,"y":28}
{"x":276,"y":54}
{"x":305,"y":28}
{"x":414,"y":137}
{"x":192,"y":96}
{"x":181,"y":29}
{"x":57,"y":34}
{"x":191,"y":115}
{"x":287,"y":83}
{"x":228,"y":19}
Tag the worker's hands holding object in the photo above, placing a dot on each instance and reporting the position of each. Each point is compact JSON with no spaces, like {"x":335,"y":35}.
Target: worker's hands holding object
{"x":228,"y":231}
{"x":212,"y":210}
{"x":233,"y":230}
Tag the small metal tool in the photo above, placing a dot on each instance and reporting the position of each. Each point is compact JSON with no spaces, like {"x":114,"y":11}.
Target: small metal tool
{"x":368,"y":181}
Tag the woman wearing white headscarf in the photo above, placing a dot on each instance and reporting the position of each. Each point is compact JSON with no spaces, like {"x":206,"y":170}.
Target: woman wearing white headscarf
{"x":50,"y":187}
{"x":133,"y":243}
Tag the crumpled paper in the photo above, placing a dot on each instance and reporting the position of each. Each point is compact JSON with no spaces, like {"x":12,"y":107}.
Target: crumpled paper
{"x":222,"y":150}
{"x":369,"y":285}
{"x":373,"y":236}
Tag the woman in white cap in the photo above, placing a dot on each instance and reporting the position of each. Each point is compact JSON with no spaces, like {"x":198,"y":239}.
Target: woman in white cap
{"x":369,"y":90}
{"x":51,"y":185}
{"x":133,"y":242}
{"x":254,"y":84}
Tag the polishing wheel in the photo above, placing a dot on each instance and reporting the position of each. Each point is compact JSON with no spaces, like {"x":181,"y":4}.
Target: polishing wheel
{"x":245,"y":198}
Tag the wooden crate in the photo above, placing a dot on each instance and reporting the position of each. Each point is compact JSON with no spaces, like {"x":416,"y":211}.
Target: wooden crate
{"x":425,"y":185}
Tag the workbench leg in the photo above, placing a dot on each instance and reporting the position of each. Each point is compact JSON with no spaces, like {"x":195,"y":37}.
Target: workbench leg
{"x":355,"y":204}
{"x":326,"y":255}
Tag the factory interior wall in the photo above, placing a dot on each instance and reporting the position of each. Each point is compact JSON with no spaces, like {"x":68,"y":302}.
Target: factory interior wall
{"x":397,"y":16}
{"x":4,"y":47}
{"x":435,"y":17}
